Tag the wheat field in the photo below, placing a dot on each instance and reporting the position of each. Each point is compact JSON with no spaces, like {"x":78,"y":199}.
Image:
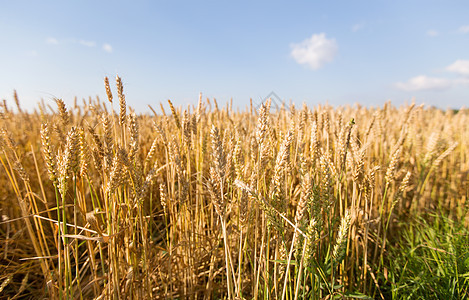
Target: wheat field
{"x":205,"y":202}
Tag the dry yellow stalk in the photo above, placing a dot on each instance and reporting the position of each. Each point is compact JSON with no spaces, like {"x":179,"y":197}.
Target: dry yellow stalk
{"x":108,"y":140}
{"x":161,"y":133}
{"x":282,"y":164}
{"x":358,"y":174}
{"x":344,"y":143}
{"x":116,"y":176}
{"x":68,"y":162}
{"x":243,"y":208}
{"x":5,"y":282}
{"x":370,"y":127}
{"x":84,"y":153}
{"x":93,"y":221}
{"x":60,"y":133}
{"x":163,"y":197}
{"x":64,"y":116}
{"x":315,"y":144}
{"x":8,"y":139}
{"x":186,"y":129}
{"x":215,"y":189}
{"x":443,"y":155}
{"x":219,"y":158}
{"x":405,"y":182}
{"x":5,"y":107}
{"x":194,"y":125}
{"x":151,"y":153}
{"x":175,"y":158}
{"x":391,"y":170}
{"x":306,"y":195}
{"x":17,"y":101}
{"x":108,"y":89}
{"x":175,"y":114}
{"x":217,"y":173}
{"x":97,"y":141}
{"x":147,"y":184}
{"x":18,"y":166}
{"x":302,"y":117}
{"x":97,"y":159}
{"x":238,"y":159}
{"x":200,"y":109}
{"x":274,"y":217}
{"x":431,"y":146}
{"x":48,"y":151}
{"x":326,"y":179}
{"x":262,"y":138}
{"x":262,"y":123}
{"x":122,"y":104}
{"x":134,"y":134}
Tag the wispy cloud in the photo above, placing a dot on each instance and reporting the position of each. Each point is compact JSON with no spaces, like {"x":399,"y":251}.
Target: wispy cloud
{"x":462,"y":81}
{"x":460,"y":66}
{"x":464,"y":29}
{"x":82,"y":42}
{"x":107,"y":48}
{"x":52,"y":41}
{"x":87,"y":43}
{"x":358,"y":26}
{"x":314,"y":52}
{"x":32,"y":53}
{"x":422,"y":83}
{"x":432,"y":33}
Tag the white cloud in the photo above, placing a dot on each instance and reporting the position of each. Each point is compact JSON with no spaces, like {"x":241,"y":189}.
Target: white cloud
{"x":462,"y":81}
{"x":464,"y":29}
{"x":315,"y":51}
{"x":358,"y":27}
{"x":52,"y":41}
{"x":432,"y":33}
{"x":460,"y":66}
{"x":107,"y":48}
{"x":32,"y":53}
{"x":87,"y":43}
{"x":422,"y":82}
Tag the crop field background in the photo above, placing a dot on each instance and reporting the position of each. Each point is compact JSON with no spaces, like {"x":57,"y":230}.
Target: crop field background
{"x":208,"y":202}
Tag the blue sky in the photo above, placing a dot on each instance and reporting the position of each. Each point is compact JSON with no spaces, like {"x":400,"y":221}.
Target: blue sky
{"x":343,"y":52}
